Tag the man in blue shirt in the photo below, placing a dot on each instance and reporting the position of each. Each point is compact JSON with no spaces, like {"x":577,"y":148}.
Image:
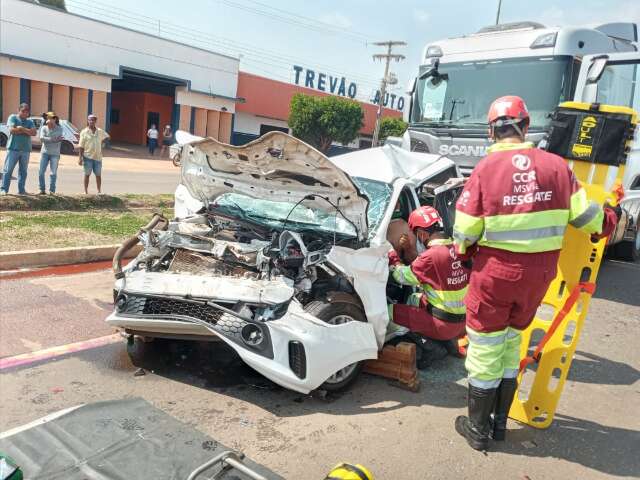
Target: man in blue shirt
{"x":21,"y":129}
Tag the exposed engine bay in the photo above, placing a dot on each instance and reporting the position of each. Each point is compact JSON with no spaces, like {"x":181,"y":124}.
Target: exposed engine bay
{"x":272,"y":266}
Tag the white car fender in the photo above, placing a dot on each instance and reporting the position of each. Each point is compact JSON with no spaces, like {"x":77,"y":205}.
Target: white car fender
{"x":368,"y":270}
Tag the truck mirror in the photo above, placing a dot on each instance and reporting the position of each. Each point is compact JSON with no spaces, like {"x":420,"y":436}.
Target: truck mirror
{"x":596,"y":69}
{"x":411,"y":86}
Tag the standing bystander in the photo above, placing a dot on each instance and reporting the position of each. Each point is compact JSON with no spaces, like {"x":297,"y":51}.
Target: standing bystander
{"x":51,"y":137}
{"x":90,"y":152}
{"x":167,"y":138}
{"x":21,"y":129}
{"x":152,"y":136}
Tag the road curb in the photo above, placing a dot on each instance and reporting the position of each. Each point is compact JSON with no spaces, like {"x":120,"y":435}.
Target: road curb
{"x":60,"y":256}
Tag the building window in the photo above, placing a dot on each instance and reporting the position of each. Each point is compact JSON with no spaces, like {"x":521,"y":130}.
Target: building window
{"x":272,"y":128}
{"x":115,"y":116}
{"x":364,"y":143}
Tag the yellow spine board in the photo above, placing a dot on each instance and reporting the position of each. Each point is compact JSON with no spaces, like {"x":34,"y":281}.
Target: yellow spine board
{"x":540,"y":388}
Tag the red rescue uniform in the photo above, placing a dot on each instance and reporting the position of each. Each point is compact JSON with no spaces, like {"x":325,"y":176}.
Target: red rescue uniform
{"x":516,"y":206}
{"x":437,"y":312}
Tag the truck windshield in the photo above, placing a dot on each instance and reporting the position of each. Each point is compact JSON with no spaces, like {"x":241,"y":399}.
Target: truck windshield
{"x":459,"y":95}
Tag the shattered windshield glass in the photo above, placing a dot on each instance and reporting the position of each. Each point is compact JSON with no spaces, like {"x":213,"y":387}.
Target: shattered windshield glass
{"x":274,"y":214}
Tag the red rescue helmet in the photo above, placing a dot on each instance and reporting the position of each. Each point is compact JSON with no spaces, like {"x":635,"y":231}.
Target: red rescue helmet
{"x":508,"y":107}
{"x":423,"y":217}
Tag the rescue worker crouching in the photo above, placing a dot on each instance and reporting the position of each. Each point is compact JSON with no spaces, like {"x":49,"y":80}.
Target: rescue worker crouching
{"x":514,"y":210}
{"x":438,"y":311}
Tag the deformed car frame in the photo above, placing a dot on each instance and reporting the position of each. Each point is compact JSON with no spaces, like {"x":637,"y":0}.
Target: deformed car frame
{"x":277,"y":251}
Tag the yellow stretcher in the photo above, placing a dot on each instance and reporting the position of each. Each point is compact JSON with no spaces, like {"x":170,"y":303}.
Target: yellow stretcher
{"x":540,"y":389}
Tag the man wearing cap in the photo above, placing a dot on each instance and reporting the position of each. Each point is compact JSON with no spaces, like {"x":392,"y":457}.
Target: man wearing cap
{"x":51,"y":137}
{"x":90,"y":152}
{"x":21,"y":129}
{"x":513,"y":212}
{"x":437,"y":312}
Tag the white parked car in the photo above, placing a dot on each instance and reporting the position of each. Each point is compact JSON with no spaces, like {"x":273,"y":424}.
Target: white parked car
{"x":69,"y":132}
{"x":278,"y":251}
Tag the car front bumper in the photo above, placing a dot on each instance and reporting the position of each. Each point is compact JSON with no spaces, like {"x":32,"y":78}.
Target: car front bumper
{"x":297,"y":351}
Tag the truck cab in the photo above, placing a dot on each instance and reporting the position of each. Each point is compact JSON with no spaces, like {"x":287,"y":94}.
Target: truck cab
{"x":614,"y":79}
{"x":460,"y":77}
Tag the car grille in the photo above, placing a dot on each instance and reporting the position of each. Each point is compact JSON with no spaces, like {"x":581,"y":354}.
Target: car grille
{"x":186,"y":261}
{"x":164,"y":306}
{"x":226,"y":324}
{"x":170,"y":307}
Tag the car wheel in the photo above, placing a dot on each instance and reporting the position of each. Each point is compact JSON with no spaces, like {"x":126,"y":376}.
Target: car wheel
{"x":66,"y":148}
{"x":629,"y":250}
{"x":336,"y":314}
{"x":3,"y":140}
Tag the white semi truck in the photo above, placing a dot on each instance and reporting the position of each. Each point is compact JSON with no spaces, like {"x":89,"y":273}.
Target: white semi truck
{"x":459,"y":78}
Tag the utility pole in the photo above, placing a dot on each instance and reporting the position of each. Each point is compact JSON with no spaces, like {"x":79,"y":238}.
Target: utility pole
{"x":498,"y":14}
{"x":387,"y":57}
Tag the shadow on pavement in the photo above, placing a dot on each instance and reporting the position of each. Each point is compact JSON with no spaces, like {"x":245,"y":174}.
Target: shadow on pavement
{"x":591,"y":368}
{"x":618,"y":282}
{"x":215,"y":366}
{"x":609,"y":450}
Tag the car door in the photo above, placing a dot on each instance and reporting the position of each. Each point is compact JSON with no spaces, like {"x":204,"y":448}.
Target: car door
{"x":35,"y":140}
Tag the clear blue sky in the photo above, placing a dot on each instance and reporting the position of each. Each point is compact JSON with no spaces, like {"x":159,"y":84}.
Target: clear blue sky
{"x":334,"y":36}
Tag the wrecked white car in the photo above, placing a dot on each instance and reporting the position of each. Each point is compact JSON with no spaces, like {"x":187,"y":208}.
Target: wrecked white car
{"x":278,"y":251}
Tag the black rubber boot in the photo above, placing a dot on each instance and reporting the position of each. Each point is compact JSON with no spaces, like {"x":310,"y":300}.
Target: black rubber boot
{"x":504,"y":397}
{"x":475,"y":428}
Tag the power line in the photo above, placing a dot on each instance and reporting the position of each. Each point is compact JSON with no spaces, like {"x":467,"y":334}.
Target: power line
{"x":350,"y":32}
{"x":387,"y":57}
{"x":307,"y":23}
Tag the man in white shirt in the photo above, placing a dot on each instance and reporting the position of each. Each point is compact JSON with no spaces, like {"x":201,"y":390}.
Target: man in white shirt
{"x":152,"y":135}
{"x":90,"y":152}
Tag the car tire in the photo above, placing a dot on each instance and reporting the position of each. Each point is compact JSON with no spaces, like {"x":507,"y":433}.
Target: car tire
{"x":66,"y":148}
{"x":336,"y":313}
{"x":629,"y":250}
{"x":3,"y":140}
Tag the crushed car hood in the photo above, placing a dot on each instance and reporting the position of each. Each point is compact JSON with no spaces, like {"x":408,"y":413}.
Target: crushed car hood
{"x":275,"y":167}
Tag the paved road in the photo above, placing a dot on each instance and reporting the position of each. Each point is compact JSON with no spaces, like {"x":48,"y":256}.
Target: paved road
{"x":398,"y":434}
{"x":119,"y":175}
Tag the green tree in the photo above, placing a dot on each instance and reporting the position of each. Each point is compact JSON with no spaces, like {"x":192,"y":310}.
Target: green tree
{"x":319,"y":121}
{"x":59,"y":4}
{"x":391,"y":127}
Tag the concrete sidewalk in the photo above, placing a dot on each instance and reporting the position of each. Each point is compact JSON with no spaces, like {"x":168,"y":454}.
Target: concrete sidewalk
{"x":120,"y":174}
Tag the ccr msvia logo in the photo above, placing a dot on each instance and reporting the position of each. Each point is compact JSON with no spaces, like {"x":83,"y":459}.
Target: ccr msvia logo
{"x":521,"y":162}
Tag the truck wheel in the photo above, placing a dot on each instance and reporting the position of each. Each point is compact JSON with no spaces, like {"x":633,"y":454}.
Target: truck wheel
{"x":629,"y":250}
{"x":66,"y":148}
{"x":3,"y":140}
{"x":336,"y":314}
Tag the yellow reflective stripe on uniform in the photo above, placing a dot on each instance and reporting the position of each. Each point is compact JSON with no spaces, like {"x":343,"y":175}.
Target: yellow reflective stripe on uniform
{"x":526,"y":232}
{"x":484,"y":360}
{"x":525,"y":221}
{"x":502,"y":147}
{"x":405,"y":276}
{"x":451,"y":301}
{"x":529,"y":234}
{"x":440,"y":241}
{"x":585,"y":214}
{"x":467,"y":230}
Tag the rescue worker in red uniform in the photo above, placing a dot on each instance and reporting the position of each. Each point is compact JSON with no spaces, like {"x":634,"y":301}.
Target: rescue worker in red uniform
{"x":438,"y":311}
{"x":514,"y":210}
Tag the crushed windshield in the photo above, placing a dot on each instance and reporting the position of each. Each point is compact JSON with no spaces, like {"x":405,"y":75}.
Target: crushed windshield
{"x":273,"y":214}
{"x":460,"y":93}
